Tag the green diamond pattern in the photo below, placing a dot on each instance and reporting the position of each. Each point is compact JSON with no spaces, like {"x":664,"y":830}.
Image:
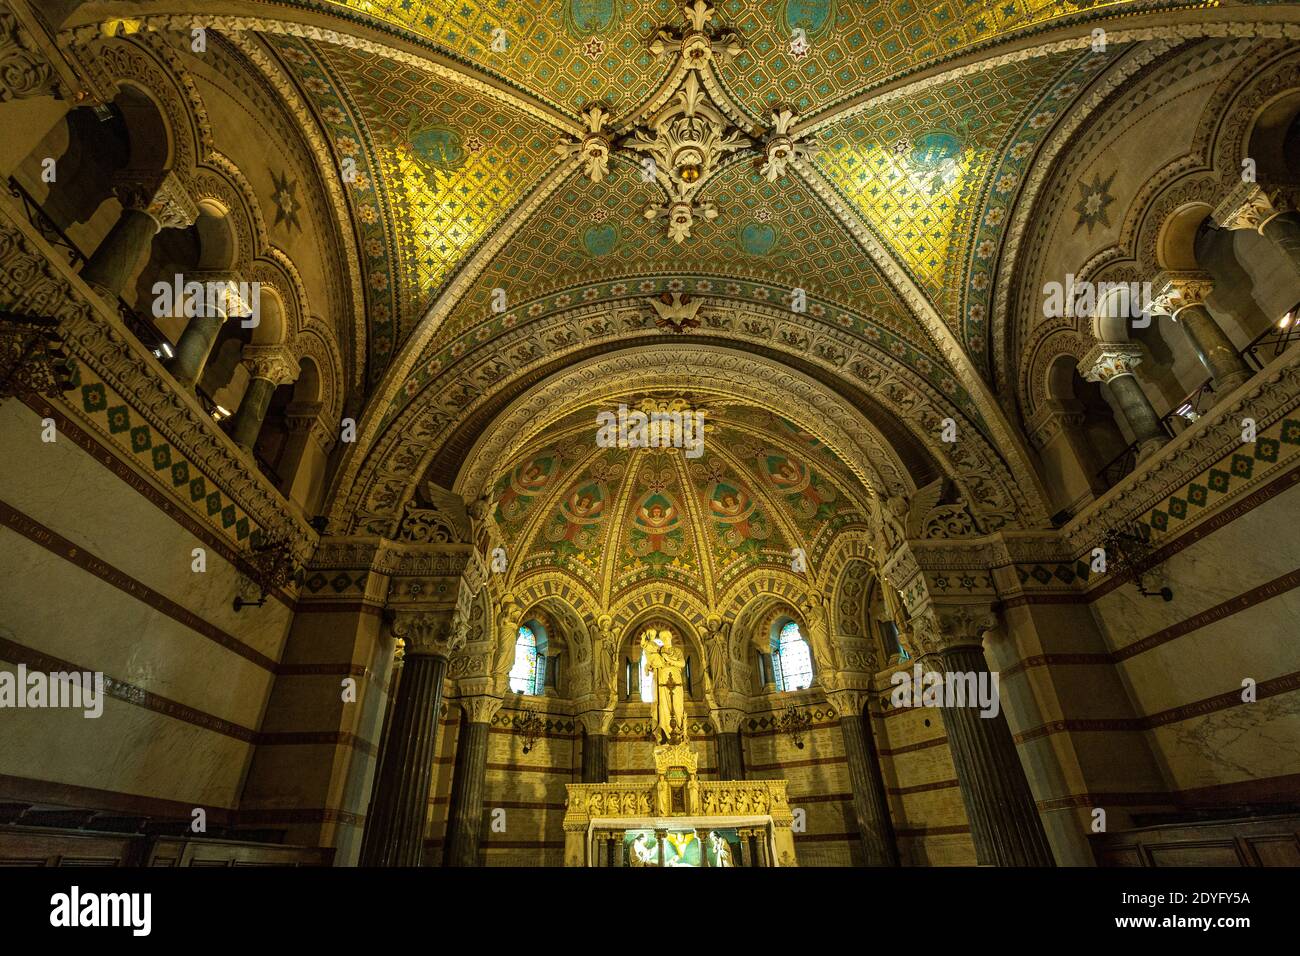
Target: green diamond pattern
{"x":93,"y":398}
{"x":119,"y":420}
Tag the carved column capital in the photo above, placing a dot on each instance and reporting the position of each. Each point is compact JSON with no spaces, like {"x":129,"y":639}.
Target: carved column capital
{"x":302,"y":417}
{"x":274,"y":363}
{"x":1173,"y":291}
{"x":1108,"y":360}
{"x":433,"y":633}
{"x":1252,"y":205}
{"x":161,"y":196}
{"x":945,"y":627}
{"x":849,"y":701}
{"x":727,"y":719}
{"x":596,"y":721}
{"x":480,"y":709}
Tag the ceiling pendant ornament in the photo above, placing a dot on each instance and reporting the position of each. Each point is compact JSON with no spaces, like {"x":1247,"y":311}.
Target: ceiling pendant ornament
{"x":686,"y":141}
{"x":780,"y":148}
{"x":594,"y":147}
{"x":687,"y":129}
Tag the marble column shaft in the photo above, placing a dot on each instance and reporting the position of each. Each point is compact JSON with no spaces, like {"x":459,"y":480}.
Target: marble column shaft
{"x":127,"y":243}
{"x":1284,"y":232}
{"x":731,"y":760}
{"x":1137,"y":410}
{"x":869,"y":803}
{"x":252,"y":412}
{"x":1004,"y":820}
{"x":465,"y":815}
{"x":595,"y":758}
{"x":395,"y":831}
{"x":1213,"y":348}
{"x":194,"y":347}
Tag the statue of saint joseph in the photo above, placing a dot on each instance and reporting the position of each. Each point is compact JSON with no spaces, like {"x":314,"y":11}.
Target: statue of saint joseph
{"x":667,"y":663}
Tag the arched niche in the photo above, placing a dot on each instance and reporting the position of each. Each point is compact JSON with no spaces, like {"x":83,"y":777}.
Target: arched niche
{"x":1085,"y":438}
{"x":629,"y":663}
{"x":85,"y":153}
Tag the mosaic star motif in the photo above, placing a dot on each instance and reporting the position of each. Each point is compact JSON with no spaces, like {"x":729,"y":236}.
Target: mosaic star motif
{"x":1094,"y":200}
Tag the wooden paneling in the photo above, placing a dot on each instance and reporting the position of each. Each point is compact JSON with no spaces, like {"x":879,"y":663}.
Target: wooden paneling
{"x":1259,"y":841}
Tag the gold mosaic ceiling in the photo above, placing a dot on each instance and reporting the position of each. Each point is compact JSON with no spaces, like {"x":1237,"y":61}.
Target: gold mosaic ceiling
{"x":570,"y":52}
{"x":441,"y":165}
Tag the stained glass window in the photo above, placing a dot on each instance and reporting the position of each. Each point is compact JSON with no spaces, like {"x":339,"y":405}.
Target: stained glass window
{"x":791,"y":659}
{"x":647,"y":682}
{"x":528,"y":675}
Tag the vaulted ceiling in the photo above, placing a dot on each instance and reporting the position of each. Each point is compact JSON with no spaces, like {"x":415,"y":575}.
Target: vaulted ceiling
{"x":448,"y":153}
{"x":493,"y":259}
{"x":615,"y":518}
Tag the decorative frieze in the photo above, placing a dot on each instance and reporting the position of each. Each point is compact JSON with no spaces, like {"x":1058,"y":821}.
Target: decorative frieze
{"x":24,"y":71}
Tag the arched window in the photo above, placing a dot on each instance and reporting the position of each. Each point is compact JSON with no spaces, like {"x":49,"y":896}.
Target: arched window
{"x":528,"y":675}
{"x":791,"y":659}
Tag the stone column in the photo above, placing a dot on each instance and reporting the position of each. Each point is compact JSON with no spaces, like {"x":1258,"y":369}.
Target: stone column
{"x":1182,"y":295}
{"x":1004,"y":820}
{"x":150,"y":203}
{"x":1112,"y":364}
{"x":702,"y":837}
{"x":1066,"y":418}
{"x":195,"y":344}
{"x":303,"y":421}
{"x":731,"y":759}
{"x":1269,"y":210}
{"x":595,"y":745}
{"x":465,"y":815}
{"x":270,"y":366}
{"x":869,"y":803}
{"x":395,"y":831}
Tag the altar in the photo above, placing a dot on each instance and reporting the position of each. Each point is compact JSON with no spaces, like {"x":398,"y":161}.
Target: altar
{"x":679,"y":820}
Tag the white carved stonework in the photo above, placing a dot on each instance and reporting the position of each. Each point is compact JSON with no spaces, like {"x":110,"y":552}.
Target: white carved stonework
{"x":1107,"y":360}
{"x":596,"y":721}
{"x":594,"y":147}
{"x":161,"y":196}
{"x":727,"y":719}
{"x":697,"y":44}
{"x":274,"y":363}
{"x":937,"y":629}
{"x":434,"y":633}
{"x":849,"y":701}
{"x":685,"y":142}
{"x":677,"y":311}
{"x":1171,"y":292}
{"x":480,"y":709}
{"x":1251,"y":206}
{"x":780,"y":149}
